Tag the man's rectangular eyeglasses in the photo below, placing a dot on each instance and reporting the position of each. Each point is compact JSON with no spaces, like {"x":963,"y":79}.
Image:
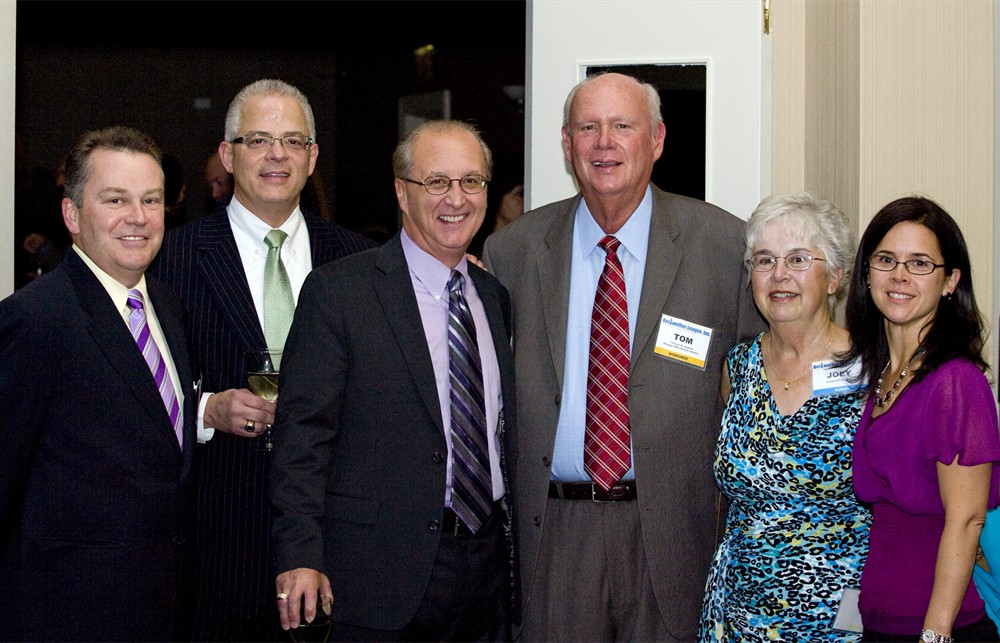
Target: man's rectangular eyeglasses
{"x":885,"y":263}
{"x":795,"y":261}
{"x":436,"y":185}
{"x":260,"y":140}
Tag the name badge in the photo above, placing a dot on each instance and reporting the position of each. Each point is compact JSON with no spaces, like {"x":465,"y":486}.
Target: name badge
{"x":683,"y":341}
{"x":830,"y":380}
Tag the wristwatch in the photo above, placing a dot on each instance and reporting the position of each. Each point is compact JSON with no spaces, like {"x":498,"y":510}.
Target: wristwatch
{"x":930,"y":636}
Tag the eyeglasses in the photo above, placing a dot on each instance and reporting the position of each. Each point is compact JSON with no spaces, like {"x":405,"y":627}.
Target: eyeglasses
{"x":799,"y":261}
{"x":470,"y":183}
{"x":885,"y":263}
{"x":260,"y":140}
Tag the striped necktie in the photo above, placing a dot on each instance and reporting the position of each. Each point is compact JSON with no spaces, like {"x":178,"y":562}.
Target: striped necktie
{"x":157,"y":366}
{"x":472,"y":489}
{"x":607,"y":451}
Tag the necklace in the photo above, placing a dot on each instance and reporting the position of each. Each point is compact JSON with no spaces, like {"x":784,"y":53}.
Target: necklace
{"x":774,"y":368}
{"x":881,"y":401}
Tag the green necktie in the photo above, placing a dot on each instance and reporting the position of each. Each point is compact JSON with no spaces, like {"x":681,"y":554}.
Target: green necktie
{"x":279,"y":305}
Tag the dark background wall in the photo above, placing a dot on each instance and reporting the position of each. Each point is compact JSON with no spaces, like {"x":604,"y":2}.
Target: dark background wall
{"x":171,"y":68}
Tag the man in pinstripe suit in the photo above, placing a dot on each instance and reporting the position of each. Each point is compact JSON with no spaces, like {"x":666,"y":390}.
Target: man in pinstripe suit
{"x":216,"y":265}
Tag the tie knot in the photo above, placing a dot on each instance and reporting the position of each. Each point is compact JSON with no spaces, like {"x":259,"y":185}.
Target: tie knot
{"x":275,"y":238}
{"x":456,"y":282}
{"x":135,"y":299}
{"x":610,"y":245}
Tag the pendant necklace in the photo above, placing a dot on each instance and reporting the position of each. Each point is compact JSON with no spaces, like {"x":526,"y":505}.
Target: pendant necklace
{"x":881,"y":401}
{"x":774,"y":368}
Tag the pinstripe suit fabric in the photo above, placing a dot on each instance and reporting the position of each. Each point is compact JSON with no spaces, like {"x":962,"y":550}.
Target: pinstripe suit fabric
{"x":201,"y":263}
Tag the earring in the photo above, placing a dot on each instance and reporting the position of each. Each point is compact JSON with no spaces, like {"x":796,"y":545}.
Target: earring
{"x":947,"y":295}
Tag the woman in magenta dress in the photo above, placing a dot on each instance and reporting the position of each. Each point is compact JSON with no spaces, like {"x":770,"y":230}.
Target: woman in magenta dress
{"x":927,"y":448}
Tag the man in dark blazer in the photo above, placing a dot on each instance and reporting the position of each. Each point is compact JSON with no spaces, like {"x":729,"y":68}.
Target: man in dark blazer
{"x":216,"y":265}
{"x":366,"y":480}
{"x":95,"y":471}
{"x":632,"y":565}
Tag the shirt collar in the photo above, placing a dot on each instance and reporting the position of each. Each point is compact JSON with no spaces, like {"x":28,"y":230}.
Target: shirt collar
{"x":246,"y":222}
{"x":634,"y":235}
{"x":115,"y":289}
{"x":428,"y":270}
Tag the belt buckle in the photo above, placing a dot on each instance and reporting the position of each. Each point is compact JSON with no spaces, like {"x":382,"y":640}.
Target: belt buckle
{"x":611,"y":495}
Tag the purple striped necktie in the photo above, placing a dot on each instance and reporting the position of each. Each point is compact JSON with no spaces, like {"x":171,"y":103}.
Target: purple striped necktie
{"x":472,"y":488}
{"x":157,"y":366}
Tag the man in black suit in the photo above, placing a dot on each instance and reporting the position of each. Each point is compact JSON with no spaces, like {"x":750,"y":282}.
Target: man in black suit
{"x":379,"y":502}
{"x":97,"y":424}
{"x":217,"y":265}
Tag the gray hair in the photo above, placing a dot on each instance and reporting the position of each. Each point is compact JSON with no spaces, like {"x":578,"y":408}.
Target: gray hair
{"x":402,"y":157}
{"x":266,"y":87}
{"x":652,"y":99}
{"x":819,"y":222}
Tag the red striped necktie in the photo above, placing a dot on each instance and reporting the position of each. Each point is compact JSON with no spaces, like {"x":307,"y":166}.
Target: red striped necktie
{"x":607,"y":451}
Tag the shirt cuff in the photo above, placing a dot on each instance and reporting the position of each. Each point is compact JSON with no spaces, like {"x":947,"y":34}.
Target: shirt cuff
{"x":205,"y":433}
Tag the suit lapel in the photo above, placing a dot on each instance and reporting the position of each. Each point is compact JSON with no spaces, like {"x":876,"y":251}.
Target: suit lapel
{"x":222,"y":269}
{"x":553,"y":276}
{"x":173,"y":332}
{"x":112,"y":337}
{"x":497,"y":315}
{"x":499,"y":326}
{"x":395,"y":292}
{"x":662,"y":261}
{"x":321,"y":248}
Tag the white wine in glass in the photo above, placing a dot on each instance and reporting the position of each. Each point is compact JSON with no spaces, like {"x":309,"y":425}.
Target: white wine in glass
{"x":262,"y":367}
{"x":264,"y":385}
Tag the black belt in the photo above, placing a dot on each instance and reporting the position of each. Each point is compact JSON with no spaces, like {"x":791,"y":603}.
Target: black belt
{"x":621,"y":492}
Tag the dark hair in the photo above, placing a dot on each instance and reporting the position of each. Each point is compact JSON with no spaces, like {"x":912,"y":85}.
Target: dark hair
{"x":117,"y":138}
{"x":957,"y":329}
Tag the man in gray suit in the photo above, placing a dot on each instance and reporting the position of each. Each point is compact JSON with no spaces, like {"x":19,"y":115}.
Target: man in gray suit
{"x":615,"y":543}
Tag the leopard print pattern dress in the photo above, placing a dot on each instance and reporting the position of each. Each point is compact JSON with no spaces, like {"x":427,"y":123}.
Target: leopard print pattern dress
{"x":795,"y":535}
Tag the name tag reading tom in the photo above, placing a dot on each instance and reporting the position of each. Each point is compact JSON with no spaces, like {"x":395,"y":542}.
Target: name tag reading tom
{"x":828,"y":379}
{"x":683,"y":341}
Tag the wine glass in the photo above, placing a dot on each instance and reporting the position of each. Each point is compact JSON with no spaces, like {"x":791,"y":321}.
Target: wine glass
{"x":319,"y":630}
{"x":262,"y":368}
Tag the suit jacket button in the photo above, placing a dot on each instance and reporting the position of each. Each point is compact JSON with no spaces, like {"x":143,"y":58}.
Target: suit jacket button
{"x":438,"y":457}
{"x":178,"y":541}
{"x":558,"y":399}
{"x":546,"y":461}
{"x":434,"y":525}
{"x":537,"y":520}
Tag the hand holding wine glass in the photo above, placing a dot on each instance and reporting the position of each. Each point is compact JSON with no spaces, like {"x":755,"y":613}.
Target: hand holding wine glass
{"x":299,"y":589}
{"x":262,"y":368}
{"x":317,"y":630}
